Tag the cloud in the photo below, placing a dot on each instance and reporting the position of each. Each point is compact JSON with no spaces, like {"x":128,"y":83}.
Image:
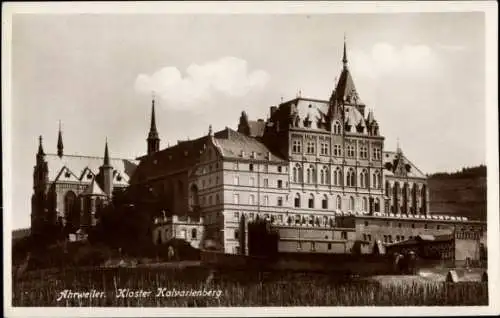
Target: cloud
{"x":454,"y":48}
{"x":228,"y":76}
{"x":387,"y":60}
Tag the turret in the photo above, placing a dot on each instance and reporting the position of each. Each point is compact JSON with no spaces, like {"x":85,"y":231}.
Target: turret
{"x":243,"y":126}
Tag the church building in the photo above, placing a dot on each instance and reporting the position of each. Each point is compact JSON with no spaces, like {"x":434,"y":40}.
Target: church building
{"x":70,"y":190}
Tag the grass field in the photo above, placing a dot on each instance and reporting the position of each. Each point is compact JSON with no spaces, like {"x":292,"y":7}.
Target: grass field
{"x":239,"y":289}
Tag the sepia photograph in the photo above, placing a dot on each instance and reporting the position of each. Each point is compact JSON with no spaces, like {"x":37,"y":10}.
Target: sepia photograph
{"x":273,"y":159}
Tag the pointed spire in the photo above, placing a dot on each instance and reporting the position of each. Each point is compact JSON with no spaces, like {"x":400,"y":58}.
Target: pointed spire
{"x":40,"y":146}
{"x":152,"y":128}
{"x":106,"y":154}
{"x":153,"y":140}
{"x":60,"y":146}
{"x":398,"y":147}
{"x":210,"y":132}
{"x":370,"y":118}
{"x":344,"y":57}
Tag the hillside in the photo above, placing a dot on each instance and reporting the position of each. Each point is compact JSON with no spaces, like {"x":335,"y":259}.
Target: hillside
{"x":461,"y":194}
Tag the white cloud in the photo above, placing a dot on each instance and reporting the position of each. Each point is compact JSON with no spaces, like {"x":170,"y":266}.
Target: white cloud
{"x":453,"y":48}
{"x":387,"y":60}
{"x":228,"y":76}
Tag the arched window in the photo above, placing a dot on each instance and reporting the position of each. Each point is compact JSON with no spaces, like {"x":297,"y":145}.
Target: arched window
{"x":414,"y":198}
{"x":377,"y":205}
{"x":365,"y":204}
{"x":324,"y":202}
{"x":395,"y":200}
{"x":363,"y":179}
{"x":405,"y":198}
{"x":311,"y":174}
{"x":351,"y":178}
{"x":337,"y":128}
{"x":297,"y":173}
{"x":193,"y":196}
{"x":423,"y":194}
{"x":337,"y":176}
{"x":324,"y":175}
{"x":387,"y":188}
{"x":376,"y":180}
{"x":69,"y":207}
{"x":297,"y":200}
{"x":311,"y":201}
{"x":339,"y":202}
{"x":351,"y":203}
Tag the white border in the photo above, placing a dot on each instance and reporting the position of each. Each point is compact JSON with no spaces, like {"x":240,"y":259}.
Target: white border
{"x":491,"y":40}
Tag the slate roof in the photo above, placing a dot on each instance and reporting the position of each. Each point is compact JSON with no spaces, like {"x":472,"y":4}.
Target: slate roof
{"x":390,"y":156}
{"x":93,"y":189}
{"x":345,"y":89}
{"x":186,"y":154}
{"x":257,"y":127}
{"x":74,"y":168}
{"x":423,"y":238}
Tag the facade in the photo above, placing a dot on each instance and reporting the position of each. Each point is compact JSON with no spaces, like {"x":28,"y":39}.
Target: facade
{"x":70,"y":190}
{"x":316,"y":169}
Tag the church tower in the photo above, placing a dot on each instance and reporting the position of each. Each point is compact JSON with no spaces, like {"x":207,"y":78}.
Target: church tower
{"x":107,"y":173}
{"x":153,"y":139}
{"x":39,"y":197}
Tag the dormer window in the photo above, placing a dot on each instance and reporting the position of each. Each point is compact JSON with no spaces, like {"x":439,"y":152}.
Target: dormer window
{"x":67,"y":174}
{"x":360,"y":128}
{"x":89,"y":176}
{"x":119,"y":178}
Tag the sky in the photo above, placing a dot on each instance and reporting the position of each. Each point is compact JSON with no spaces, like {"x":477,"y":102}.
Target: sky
{"x":423,"y":74}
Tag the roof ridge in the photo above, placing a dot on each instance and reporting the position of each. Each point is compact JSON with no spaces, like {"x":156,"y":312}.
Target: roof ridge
{"x":86,"y":156}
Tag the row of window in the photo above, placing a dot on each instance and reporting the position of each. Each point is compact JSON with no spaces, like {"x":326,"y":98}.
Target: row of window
{"x":336,"y":178}
{"x":337,"y":150}
{"x":251,"y":167}
{"x":251,"y":183}
{"x":311,"y":202}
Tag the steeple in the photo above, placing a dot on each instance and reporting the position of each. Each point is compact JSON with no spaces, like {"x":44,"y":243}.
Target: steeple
{"x":40,"y":147}
{"x":344,"y":57}
{"x":153,"y":139}
{"x":106,"y":172}
{"x":60,"y":146}
{"x":106,"y":154}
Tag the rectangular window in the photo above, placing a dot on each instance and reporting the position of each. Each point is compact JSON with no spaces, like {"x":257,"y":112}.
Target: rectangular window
{"x":236,"y":166}
{"x":266,"y":200}
{"x":377,"y":153}
{"x":343,"y":235}
{"x":279,"y":168}
{"x":369,"y":237}
{"x":252,"y":182}
{"x":337,"y":150}
{"x":280,"y":201}
{"x":311,"y":147}
{"x":236,"y":234}
{"x":251,"y":216}
{"x":297,"y":146}
{"x":237,"y":215}
{"x":324,"y":149}
{"x":329,"y":246}
{"x":351,"y":151}
{"x":236,"y":180}
{"x":250,"y":167}
{"x":251,"y":199}
{"x":280,"y":184}
{"x":363,"y":152}
{"x":236,"y":199}
{"x":266,"y":182}
{"x":313,"y":246}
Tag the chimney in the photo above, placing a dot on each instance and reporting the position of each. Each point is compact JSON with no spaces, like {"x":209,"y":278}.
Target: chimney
{"x":272,"y":110}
